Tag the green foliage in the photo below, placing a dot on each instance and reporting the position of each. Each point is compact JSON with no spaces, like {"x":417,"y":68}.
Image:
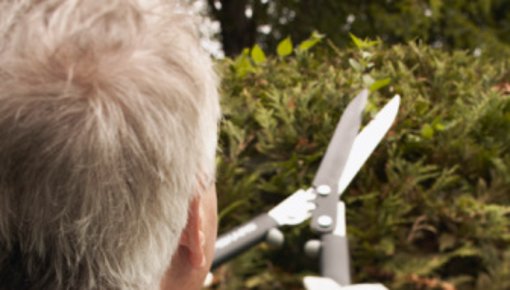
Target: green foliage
{"x":433,"y":201}
{"x":479,"y":25}
{"x":363,"y":44}
{"x":284,"y":47}
{"x":310,"y":42}
{"x":258,"y":55}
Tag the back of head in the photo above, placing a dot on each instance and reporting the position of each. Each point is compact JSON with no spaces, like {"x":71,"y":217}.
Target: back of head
{"x":108,"y":115}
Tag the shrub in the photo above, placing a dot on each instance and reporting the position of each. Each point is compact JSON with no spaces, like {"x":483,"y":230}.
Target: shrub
{"x":429,"y":210}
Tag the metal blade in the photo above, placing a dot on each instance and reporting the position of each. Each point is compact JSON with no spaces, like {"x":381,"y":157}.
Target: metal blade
{"x":367,"y":140}
{"x":332,"y":165}
{"x":321,"y":283}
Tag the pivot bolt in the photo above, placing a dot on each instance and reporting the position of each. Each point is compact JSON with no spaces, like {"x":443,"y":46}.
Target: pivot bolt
{"x":275,"y":238}
{"x":325,"y":221}
{"x":324,"y":190}
{"x":313,"y":248}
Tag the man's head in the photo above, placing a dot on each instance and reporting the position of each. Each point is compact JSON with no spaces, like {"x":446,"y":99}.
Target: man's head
{"x":108,"y":119}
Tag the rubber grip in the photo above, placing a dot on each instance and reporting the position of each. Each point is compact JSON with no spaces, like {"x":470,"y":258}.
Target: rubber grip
{"x":335,"y":259}
{"x":242,"y":238}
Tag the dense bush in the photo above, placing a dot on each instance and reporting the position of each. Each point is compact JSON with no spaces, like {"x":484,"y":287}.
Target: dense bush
{"x":429,"y":210}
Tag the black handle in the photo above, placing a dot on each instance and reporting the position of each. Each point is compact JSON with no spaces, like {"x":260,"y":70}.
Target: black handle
{"x":242,"y":238}
{"x":335,"y":258}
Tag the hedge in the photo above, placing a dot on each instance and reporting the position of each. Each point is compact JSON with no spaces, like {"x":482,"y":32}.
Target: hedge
{"x":429,"y":210}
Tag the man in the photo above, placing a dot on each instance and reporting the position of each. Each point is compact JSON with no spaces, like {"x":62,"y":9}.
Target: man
{"x":108,"y":123}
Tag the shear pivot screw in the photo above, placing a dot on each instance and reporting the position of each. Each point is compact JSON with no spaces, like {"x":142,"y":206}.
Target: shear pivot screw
{"x":325,"y":221}
{"x":324,"y":190}
{"x":313,"y":248}
{"x":275,"y":238}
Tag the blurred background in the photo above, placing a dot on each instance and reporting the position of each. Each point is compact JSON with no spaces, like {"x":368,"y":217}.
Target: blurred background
{"x":431,"y":208}
{"x":478,"y":25}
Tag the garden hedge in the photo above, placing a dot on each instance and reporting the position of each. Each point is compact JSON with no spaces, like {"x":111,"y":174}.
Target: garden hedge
{"x":429,"y":210}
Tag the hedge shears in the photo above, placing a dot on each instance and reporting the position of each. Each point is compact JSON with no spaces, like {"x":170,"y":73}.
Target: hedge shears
{"x":346,"y":153}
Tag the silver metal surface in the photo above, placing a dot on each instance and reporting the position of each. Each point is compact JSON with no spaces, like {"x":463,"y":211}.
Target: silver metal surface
{"x":367,"y":140}
{"x":295,"y":209}
{"x":341,"y":224}
{"x":275,"y":238}
{"x":333,"y":162}
{"x":313,"y":248}
{"x":322,"y":283}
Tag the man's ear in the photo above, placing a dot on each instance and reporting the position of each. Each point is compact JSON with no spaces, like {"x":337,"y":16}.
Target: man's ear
{"x":193,"y":238}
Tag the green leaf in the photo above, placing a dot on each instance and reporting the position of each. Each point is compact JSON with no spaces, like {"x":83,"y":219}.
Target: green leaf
{"x":436,"y":6}
{"x":368,"y":80}
{"x":264,"y":117}
{"x":357,"y":41}
{"x":379,"y":84}
{"x":366,"y":55}
{"x":363,"y":44}
{"x":310,"y":42}
{"x":284,"y":47}
{"x":355,"y":65}
{"x":257,"y":54}
{"x":243,"y":65}
{"x":387,"y":246}
{"x":446,"y":242}
{"x":371,"y":108}
{"x":427,"y":131}
{"x":438,"y":124}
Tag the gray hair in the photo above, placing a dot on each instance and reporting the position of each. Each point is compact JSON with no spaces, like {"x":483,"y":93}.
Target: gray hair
{"x":108,"y":115}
